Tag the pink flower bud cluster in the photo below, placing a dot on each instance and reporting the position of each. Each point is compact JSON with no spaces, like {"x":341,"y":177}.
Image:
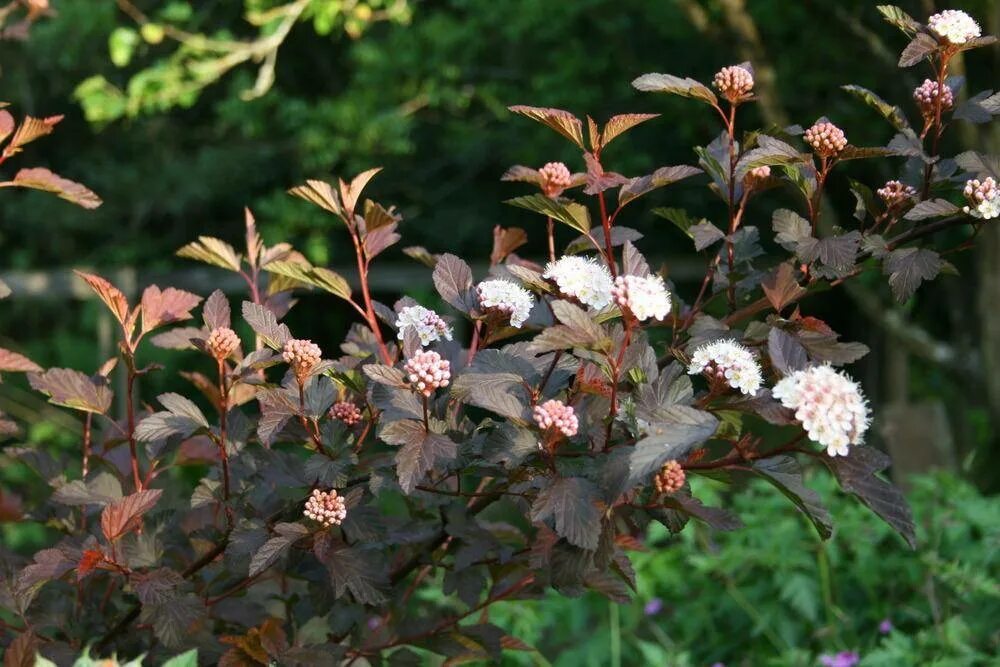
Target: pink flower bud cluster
{"x":303,"y":356}
{"x":427,"y":371}
{"x":326,"y":507}
{"x":828,"y":404}
{"x":954,"y":26}
{"x":926,"y":95}
{"x":756,"y":176}
{"x":346,"y":411}
{"x":984,"y":198}
{"x":222,"y":342}
{"x":734,"y":82}
{"x":826,"y":139}
{"x":894,"y":193}
{"x":670,"y":478}
{"x":556,"y":415}
{"x":555,"y":178}
{"x":644,"y":297}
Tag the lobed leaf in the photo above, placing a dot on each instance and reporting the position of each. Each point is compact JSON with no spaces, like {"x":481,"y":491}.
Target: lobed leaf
{"x":123,"y":515}
{"x":573,"y":504}
{"x":166,"y":306}
{"x":908,"y":267}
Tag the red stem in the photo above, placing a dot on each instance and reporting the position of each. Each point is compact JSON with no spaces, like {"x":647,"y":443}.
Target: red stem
{"x":223,"y":453}
{"x":369,"y":309}
{"x":130,"y":410}
{"x":552,"y":239}
{"x":606,"y":224}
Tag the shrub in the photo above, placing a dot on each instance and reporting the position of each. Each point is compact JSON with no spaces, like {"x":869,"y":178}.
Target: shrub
{"x":338,"y":487}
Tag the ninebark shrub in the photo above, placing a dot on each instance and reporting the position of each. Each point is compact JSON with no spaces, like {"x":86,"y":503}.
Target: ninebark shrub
{"x":532,"y":453}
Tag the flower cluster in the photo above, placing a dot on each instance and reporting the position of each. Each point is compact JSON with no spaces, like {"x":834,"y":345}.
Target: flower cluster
{"x":222,"y":342}
{"x":954,"y":26}
{"x":842,"y":659}
{"x":555,"y":178}
{"x":427,"y":371}
{"x":644,"y":297}
{"x":926,"y":95}
{"x":326,"y":507}
{"x":984,"y":198}
{"x":828,"y":404}
{"x":302,"y":356}
{"x":428,"y":324}
{"x":734,"y":82}
{"x":556,"y":414}
{"x":346,"y":411}
{"x":756,"y":176}
{"x":729,"y":363}
{"x":894,"y":193}
{"x":826,"y":139}
{"x":670,"y":478}
{"x":584,"y":279}
{"x":507,"y":298}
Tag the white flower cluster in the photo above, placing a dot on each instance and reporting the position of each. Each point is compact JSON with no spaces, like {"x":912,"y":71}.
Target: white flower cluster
{"x":326,"y":507}
{"x":729,"y":362}
{"x":828,"y":404}
{"x":954,"y":25}
{"x":584,"y":279}
{"x":428,"y":324}
{"x":506,"y":296}
{"x":644,"y":297}
{"x":984,"y":198}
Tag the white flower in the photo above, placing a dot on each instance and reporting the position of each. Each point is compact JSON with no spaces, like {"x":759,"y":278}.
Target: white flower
{"x":828,"y":404}
{"x":644,"y":297}
{"x":428,"y":324}
{"x":984,"y":198}
{"x":954,"y":26}
{"x":582,"y":278}
{"x":729,"y":361}
{"x":507,"y":297}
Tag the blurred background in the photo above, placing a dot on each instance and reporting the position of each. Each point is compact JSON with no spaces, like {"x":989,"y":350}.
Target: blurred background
{"x":180,"y":113}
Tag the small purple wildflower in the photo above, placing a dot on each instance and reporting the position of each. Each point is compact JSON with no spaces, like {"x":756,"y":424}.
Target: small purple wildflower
{"x":842,"y":659}
{"x":653,"y":607}
{"x":885,"y":627}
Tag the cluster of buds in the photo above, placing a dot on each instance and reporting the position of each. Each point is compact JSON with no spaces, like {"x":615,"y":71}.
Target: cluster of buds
{"x":222,"y":342}
{"x":826,"y":139}
{"x":326,"y":507}
{"x":926,"y":96}
{"x":346,"y":411}
{"x":553,"y":414}
{"x":670,"y":478}
{"x":427,"y":372}
{"x":895,"y":193}
{"x":555,"y":178}
{"x":954,"y":26}
{"x":644,"y":297}
{"x":303,"y":356}
{"x":756,"y":177}
{"x":984,"y":198}
{"x":726,"y":363}
{"x":734,"y":83}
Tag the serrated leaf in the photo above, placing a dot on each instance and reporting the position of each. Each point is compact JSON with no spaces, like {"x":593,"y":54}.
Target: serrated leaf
{"x":352,"y":569}
{"x":314,"y":276}
{"x":769,"y":152}
{"x":979,"y":164}
{"x":12,"y":362}
{"x":673,"y":85}
{"x":637,"y":187}
{"x":680,"y":430}
{"x":109,"y":294}
{"x":716,"y":517}
{"x":786,"y":353}
{"x":387,"y":375}
{"x":897,"y":17}
{"x":790,"y":229}
{"x":416,"y":458}
{"x":908,"y":267}
{"x":166,"y":306}
{"x":31,"y":129}
{"x":124,"y":515}
{"x":573,"y":504}
{"x":569,"y":213}
{"x":73,"y":389}
{"x":891,"y":113}
{"x":857,"y":474}
{"x":321,"y":194}
{"x":216,"y":312}
{"x":522,"y":174}
{"x":212,"y":251}
{"x":836,"y":252}
{"x":561,"y":121}
{"x":920,"y":47}
{"x":263,"y":321}
{"x":38,"y":178}
{"x":705,"y":234}
{"x":172,"y":620}
{"x":785,"y":473}
{"x":618,"y":125}
{"x":932,"y":208}
{"x":453,"y":280}
{"x":274,"y":548}
{"x":781,"y":287}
